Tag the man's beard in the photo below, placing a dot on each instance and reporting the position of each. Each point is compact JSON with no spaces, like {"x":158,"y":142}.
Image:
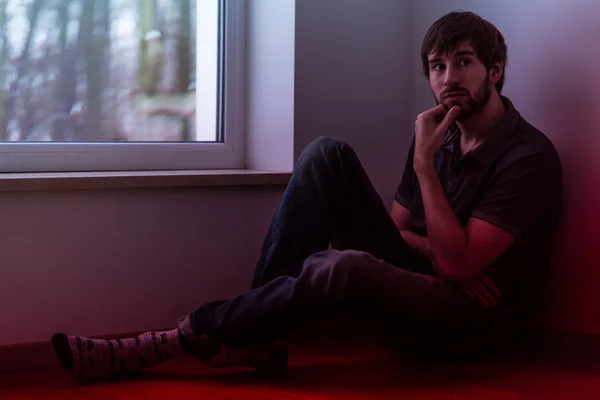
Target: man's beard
{"x":474,"y":104}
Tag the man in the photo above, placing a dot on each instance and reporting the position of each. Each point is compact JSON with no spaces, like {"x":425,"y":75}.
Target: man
{"x":460,"y":259}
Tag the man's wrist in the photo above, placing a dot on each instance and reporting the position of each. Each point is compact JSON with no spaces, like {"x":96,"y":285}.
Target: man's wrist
{"x":424,"y":166}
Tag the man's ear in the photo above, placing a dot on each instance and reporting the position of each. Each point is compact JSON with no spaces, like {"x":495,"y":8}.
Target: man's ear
{"x":496,"y":72}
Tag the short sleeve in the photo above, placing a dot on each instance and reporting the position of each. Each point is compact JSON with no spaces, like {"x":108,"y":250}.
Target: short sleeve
{"x":406,"y":189}
{"x":522,"y":192}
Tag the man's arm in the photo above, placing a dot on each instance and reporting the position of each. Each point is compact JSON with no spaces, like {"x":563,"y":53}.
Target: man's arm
{"x":454,"y":256}
{"x":459,"y":253}
{"x":401,"y":217}
{"x":481,"y":288}
{"x":418,"y":243}
{"x":400,"y":212}
{"x":511,"y":204}
{"x":523,"y":190}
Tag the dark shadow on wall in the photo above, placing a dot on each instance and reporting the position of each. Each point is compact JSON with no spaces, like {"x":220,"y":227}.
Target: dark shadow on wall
{"x":570,"y":109}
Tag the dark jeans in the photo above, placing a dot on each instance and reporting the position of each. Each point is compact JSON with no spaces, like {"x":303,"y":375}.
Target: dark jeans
{"x":371,"y":272}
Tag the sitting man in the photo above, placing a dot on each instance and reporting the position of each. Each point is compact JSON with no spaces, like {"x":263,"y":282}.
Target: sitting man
{"x":460,"y":259}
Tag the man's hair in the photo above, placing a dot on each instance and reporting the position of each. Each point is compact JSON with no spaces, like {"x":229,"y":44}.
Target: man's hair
{"x":446,"y":34}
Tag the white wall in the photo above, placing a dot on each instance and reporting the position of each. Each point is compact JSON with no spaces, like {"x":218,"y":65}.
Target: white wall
{"x":110,"y":261}
{"x":353,"y":81}
{"x":552,"y":77}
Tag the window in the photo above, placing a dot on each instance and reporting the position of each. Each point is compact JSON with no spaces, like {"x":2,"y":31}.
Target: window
{"x":117,"y":85}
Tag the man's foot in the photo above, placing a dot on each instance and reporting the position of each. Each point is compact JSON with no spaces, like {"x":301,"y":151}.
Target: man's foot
{"x":96,"y":359}
{"x":262,"y":358}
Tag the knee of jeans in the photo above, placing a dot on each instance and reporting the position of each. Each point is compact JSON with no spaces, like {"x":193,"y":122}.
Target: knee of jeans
{"x":323,"y":146}
{"x":338,"y":263}
{"x":352,"y":261}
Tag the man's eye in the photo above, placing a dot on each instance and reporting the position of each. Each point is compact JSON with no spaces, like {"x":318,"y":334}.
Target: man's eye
{"x":438,"y":67}
{"x":464,"y":63}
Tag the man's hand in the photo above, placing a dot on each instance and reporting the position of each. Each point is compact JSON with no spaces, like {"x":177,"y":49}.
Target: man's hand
{"x":430,"y":128}
{"x":482,"y":289}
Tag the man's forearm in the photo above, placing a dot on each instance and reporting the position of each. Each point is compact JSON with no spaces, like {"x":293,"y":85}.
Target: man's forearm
{"x":447,"y":238}
{"x":416,"y":242}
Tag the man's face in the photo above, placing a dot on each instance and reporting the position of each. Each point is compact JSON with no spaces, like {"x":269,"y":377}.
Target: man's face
{"x":460,"y":79}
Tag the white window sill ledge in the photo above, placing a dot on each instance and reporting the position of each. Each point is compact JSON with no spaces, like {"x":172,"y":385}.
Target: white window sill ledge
{"x":15,"y":182}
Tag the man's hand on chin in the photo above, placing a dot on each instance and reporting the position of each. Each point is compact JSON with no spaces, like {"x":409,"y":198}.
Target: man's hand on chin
{"x":430,"y":129}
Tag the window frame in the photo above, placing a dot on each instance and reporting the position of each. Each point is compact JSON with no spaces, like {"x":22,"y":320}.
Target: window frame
{"x":21,"y":157}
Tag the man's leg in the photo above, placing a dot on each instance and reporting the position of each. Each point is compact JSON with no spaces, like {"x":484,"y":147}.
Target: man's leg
{"x":329,"y":199}
{"x":331,"y":283}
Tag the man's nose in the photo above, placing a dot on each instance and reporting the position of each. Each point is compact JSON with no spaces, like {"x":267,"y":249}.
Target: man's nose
{"x":451,"y":77}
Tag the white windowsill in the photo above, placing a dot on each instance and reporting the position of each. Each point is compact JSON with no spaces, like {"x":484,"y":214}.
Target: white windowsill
{"x":13,"y":182}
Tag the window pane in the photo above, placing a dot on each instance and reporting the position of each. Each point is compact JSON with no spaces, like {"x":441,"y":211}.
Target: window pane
{"x":109,"y":70}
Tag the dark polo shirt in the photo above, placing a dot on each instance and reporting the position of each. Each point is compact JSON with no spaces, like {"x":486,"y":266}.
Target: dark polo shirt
{"x":512,"y":180}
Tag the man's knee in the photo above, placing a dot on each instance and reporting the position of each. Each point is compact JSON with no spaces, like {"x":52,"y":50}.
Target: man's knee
{"x":327,"y":143}
{"x":323,"y":146}
{"x":339,"y":265}
{"x":340,"y":277}
{"x":346,"y":260}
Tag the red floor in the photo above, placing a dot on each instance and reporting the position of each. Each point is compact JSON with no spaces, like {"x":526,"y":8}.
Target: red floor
{"x":325,"y":373}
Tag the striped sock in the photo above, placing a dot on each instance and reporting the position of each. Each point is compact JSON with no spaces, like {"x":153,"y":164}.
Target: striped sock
{"x":93,"y":359}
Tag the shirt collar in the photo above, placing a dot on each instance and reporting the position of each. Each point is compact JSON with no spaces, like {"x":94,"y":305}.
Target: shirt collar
{"x":497,"y":139}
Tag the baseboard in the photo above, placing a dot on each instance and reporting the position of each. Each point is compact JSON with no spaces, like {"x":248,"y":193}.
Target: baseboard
{"x":40,"y":355}
{"x":550,"y":344}
{"x":26,"y":356}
